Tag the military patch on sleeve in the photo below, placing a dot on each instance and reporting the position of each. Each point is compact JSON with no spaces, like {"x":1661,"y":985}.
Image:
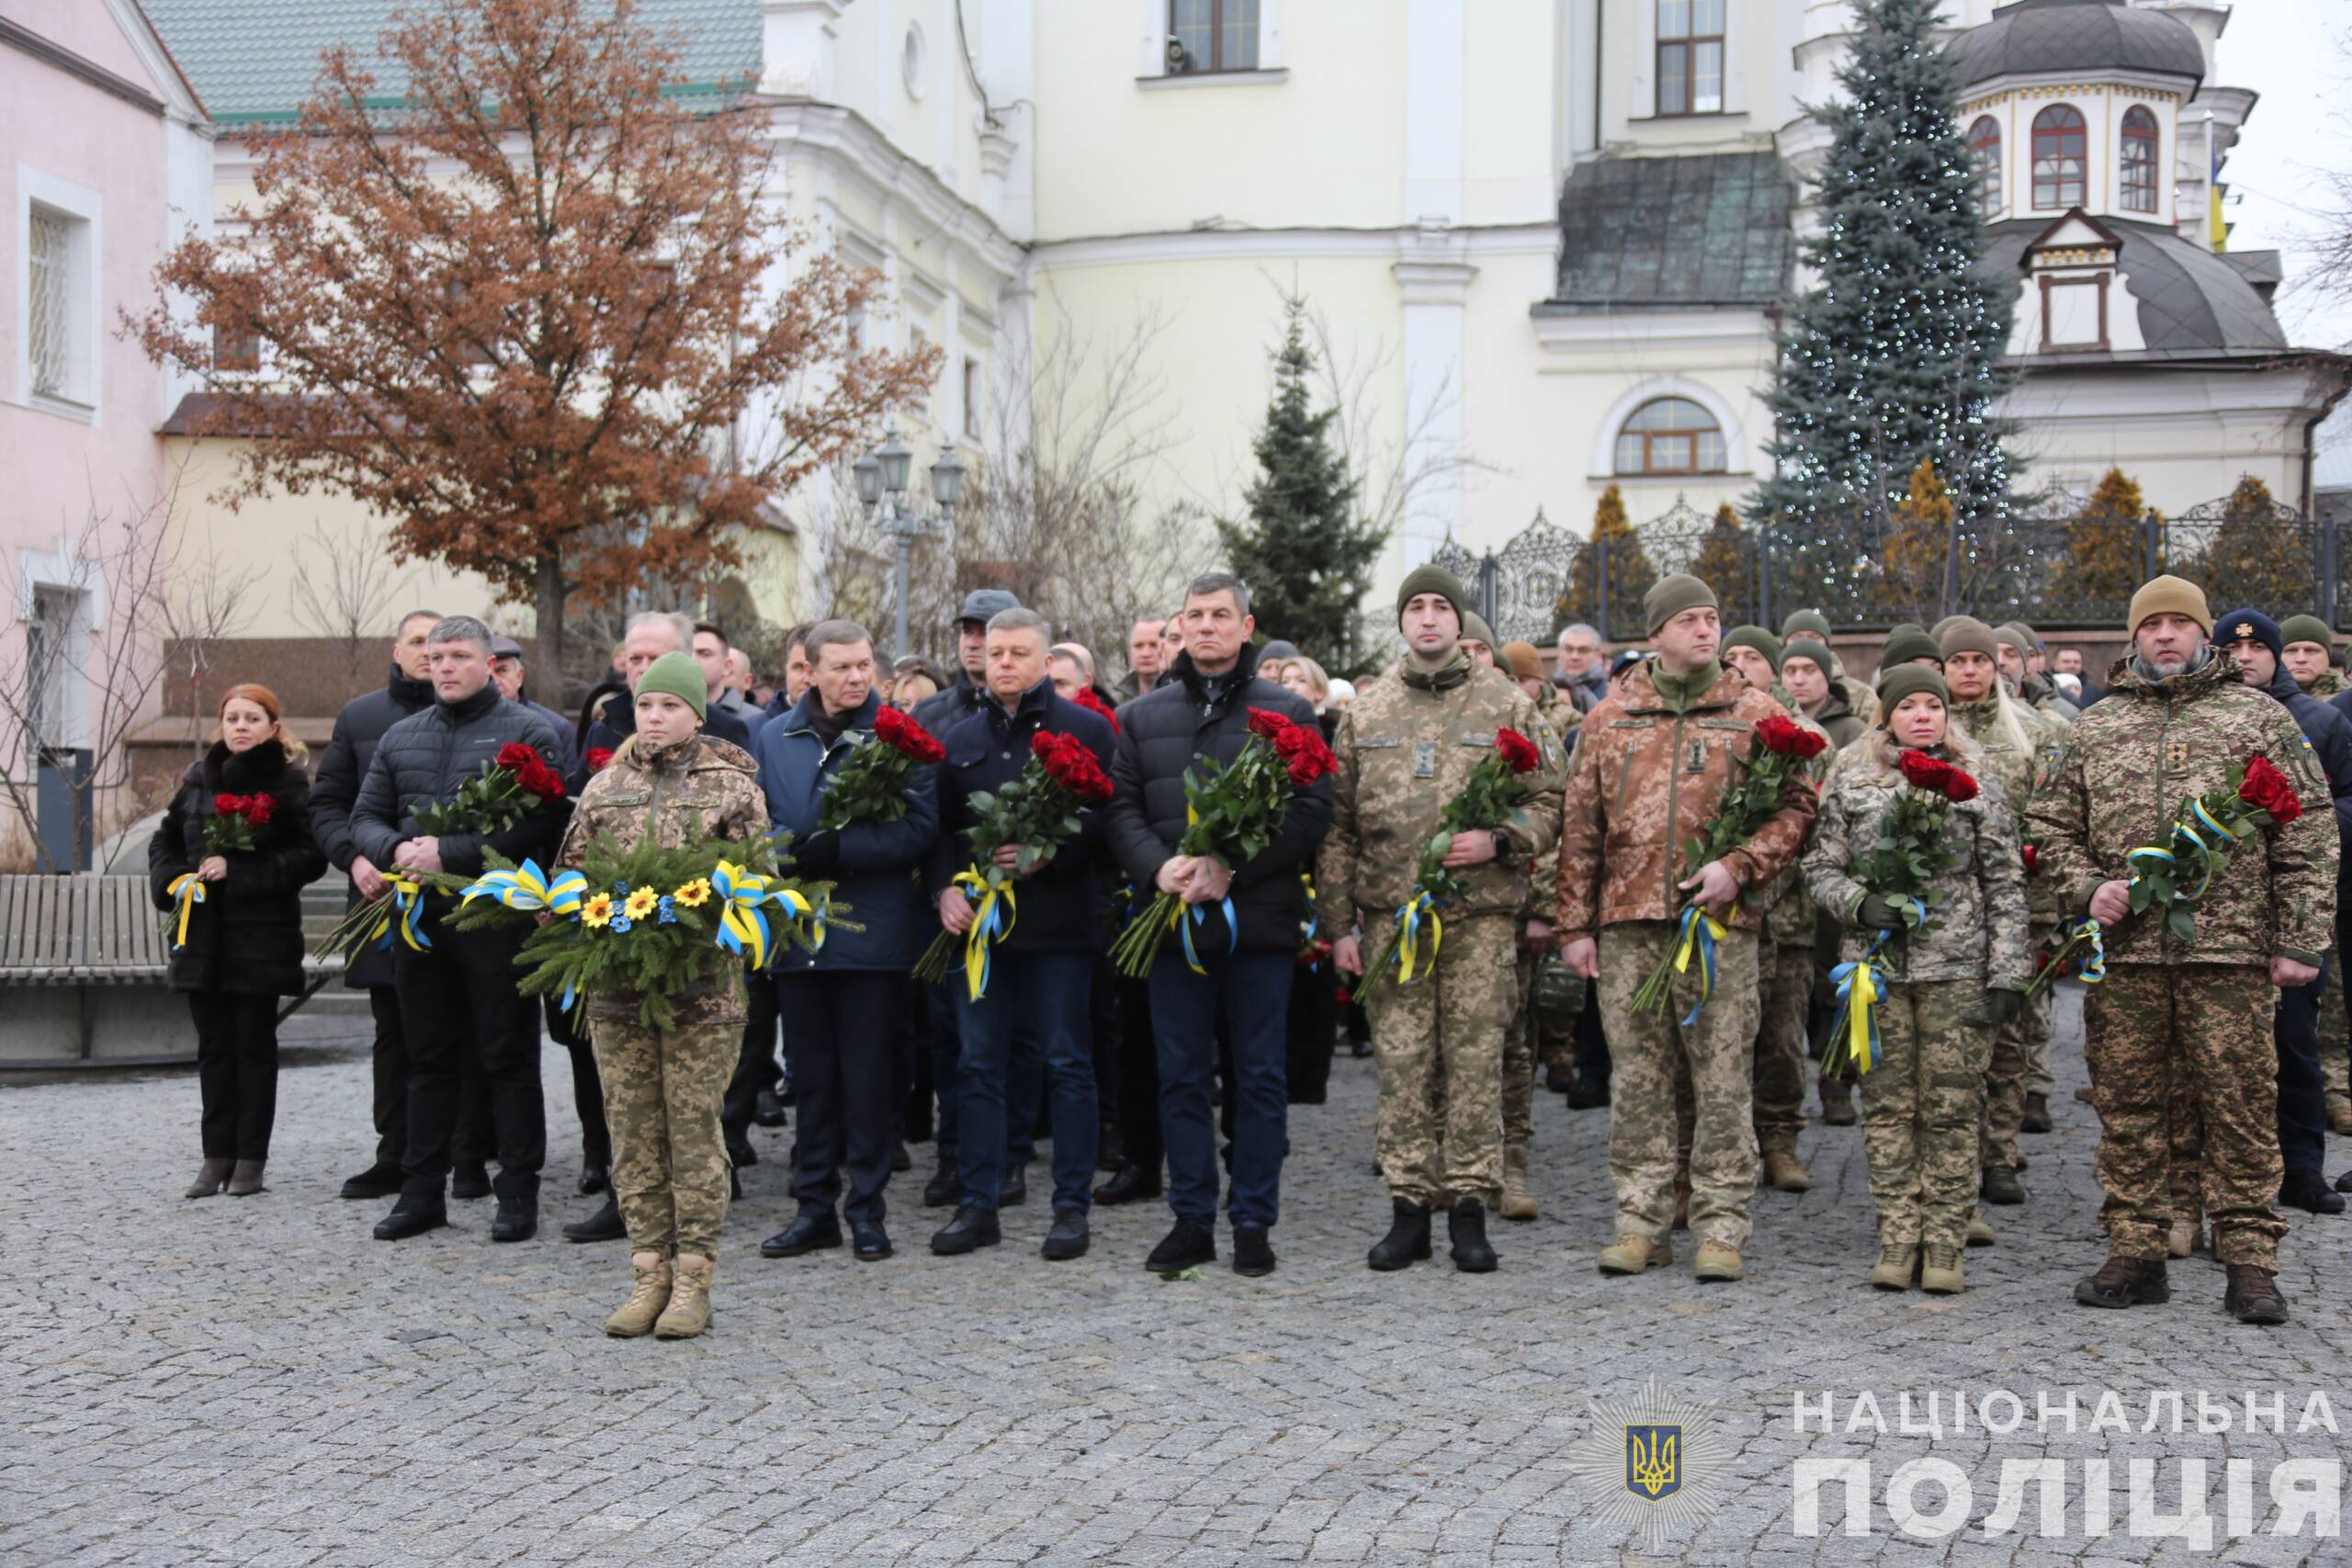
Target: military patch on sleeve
{"x":2304,"y":763}
{"x":1425,"y":759}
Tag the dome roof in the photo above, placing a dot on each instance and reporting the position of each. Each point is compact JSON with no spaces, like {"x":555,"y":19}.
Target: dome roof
{"x":2192,"y":302}
{"x":2044,"y":37}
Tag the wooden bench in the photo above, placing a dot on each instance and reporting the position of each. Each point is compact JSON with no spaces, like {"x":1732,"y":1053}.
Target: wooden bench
{"x":85,"y":969}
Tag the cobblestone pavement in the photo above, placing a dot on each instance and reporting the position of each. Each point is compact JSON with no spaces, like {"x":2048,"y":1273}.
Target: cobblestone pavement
{"x":256,"y":1382}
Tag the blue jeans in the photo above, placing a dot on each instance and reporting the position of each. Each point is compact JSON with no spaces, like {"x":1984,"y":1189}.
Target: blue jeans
{"x":1024,"y":1082}
{"x":1044,"y":995}
{"x":1252,"y":991}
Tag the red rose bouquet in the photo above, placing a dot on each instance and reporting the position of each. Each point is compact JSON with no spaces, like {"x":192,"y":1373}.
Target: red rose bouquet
{"x":2173,"y":876}
{"x":234,"y":820}
{"x":1039,"y":811}
{"x":1234,"y":811}
{"x":599,"y":759}
{"x":871,"y":787}
{"x":1086,"y":699}
{"x":1494,"y":789}
{"x":1782,"y":747}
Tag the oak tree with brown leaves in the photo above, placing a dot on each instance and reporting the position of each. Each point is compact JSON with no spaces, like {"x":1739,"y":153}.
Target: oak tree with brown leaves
{"x":540,"y":315}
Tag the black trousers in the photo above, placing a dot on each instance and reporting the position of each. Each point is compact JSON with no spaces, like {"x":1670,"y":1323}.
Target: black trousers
{"x":843,"y":1043}
{"x":1139,"y":1077}
{"x":1313,"y":1029}
{"x":458,"y":998}
{"x":568,"y":1030}
{"x":236,"y":1071}
{"x":390,"y":1062}
{"x":755,"y":1068}
{"x":2302,"y":1087}
{"x":1592,"y":1045}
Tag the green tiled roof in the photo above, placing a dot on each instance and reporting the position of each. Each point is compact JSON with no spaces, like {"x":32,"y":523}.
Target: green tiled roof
{"x":1708,"y":229}
{"x":254,"y":61}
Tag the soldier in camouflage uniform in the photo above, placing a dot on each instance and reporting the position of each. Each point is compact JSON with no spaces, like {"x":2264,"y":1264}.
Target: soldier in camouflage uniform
{"x":663,"y":1088}
{"x":1404,"y":749}
{"x":2177,"y":721}
{"x":2019,"y":746}
{"x":1655,"y":761}
{"x":1943,"y":987}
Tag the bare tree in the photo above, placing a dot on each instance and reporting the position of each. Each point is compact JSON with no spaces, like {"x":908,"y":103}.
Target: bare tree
{"x":204,"y":607}
{"x":343,"y":590}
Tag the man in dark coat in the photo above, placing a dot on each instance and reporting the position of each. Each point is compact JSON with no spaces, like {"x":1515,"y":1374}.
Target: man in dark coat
{"x":456,"y":988}
{"x":1203,"y":711}
{"x":1041,"y":975}
{"x":357,"y":728}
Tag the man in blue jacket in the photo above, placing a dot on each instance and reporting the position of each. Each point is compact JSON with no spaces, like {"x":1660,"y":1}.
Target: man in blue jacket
{"x":1202,"y":710}
{"x":1041,"y":975}
{"x":842,"y":1002}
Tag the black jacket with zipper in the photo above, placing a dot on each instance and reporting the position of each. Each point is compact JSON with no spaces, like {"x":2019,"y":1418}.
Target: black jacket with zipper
{"x":246,"y":939}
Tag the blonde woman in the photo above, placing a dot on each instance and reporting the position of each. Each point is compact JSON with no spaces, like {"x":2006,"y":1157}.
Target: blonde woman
{"x":1303,"y":675}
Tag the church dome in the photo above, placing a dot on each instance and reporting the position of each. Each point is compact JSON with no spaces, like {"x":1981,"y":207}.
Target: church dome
{"x":2077,"y":37}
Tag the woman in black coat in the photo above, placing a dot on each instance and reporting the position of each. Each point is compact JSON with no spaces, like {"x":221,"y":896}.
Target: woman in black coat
{"x":244,"y":940}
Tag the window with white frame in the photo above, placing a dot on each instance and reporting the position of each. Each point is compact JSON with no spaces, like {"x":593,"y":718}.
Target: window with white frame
{"x":1984,"y":159}
{"x":1670,"y":436}
{"x":1689,"y":57}
{"x":2139,"y":171}
{"x":56,"y":638}
{"x":1211,"y":36}
{"x":57,"y":351}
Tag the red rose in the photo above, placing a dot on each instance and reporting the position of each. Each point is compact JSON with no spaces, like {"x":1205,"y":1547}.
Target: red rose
{"x":1074,"y":767}
{"x":540,"y":780}
{"x":1294,"y":742}
{"x":514,"y":756}
{"x":228,"y":805}
{"x":1092,"y":703}
{"x":1518,"y":750}
{"x":1923,"y":771}
{"x":1958,"y":785}
{"x":1782,"y":734}
{"x":2266,"y":789}
{"x":1268,"y":726}
{"x":260,"y":809}
{"x":2032,"y":859}
{"x":1310,"y":760}
{"x":901,"y":733}
{"x":599,"y":759}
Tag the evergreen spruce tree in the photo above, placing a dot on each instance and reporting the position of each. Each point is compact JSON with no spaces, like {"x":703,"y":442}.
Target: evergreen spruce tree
{"x":2105,"y":559}
{"x":1631,"y":575}
{"x":1892,"y":358}
{"x":1305,"y":553}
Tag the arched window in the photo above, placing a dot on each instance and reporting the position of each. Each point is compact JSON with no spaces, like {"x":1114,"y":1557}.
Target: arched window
{"x":1985,"y":154}
{"x":1670,"y":436}
{"x":2061,"y":157}
{"x":2139,"y":161}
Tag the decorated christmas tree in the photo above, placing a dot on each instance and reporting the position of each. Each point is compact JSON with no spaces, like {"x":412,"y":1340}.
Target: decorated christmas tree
{"x":1892,"y":358}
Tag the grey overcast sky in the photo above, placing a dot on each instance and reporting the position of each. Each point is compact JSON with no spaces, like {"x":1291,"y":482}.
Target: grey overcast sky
{"x":2298,"y":55}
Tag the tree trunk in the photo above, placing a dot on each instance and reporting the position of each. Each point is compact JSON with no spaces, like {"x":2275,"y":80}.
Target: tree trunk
{"x":550,"y":612}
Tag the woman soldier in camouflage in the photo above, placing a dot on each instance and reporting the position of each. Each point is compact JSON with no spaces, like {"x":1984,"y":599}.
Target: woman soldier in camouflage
{"x":663,"y":1089}
{"x":1943,"y":990}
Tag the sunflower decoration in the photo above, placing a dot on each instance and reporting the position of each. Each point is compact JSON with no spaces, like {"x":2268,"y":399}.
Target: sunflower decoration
{"x":694,"y":893}
{"x":640,"y":903}
{"x":597,"y":912}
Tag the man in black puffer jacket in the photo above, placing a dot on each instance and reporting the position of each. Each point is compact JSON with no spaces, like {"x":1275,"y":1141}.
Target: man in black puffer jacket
{"x":457,"y":989}
{"x":1202,"y":710}
{"x":357,"y":728}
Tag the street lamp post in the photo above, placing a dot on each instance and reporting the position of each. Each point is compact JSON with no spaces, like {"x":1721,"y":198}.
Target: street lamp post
{"x":882,"y":476}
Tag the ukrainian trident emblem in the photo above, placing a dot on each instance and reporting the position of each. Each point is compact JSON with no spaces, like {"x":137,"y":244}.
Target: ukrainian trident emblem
{"x":1653,"y":1461}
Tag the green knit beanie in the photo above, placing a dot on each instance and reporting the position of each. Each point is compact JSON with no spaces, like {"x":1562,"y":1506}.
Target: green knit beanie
{"x":1811,"y":621}
{"x":1672,"y":594}
{"x":681,"y":677}
{"x":1432,"y":580}
{"x":1474,"y":629}
{"x":2306,"y":628}
{"x":1908,"y":642}
{"x":1966,"y":634}
{"x":1761,"y":640}
{"x":1901,"y":680}
{"x":1807,"y":647}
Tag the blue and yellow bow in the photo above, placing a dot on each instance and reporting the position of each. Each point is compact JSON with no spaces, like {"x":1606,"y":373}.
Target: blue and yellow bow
{"x":1857,"y":1000}
{"x":186,"y":888}
{"x":1185,"y":916}
{"x":741,"y":927}
{"x":2092,"y":969}
{"x":994,"y":909}
{"x":408,"y":903}
{"x":528,"y":889}
{"x":1700,"y":931}
{"x":1411,"y":963}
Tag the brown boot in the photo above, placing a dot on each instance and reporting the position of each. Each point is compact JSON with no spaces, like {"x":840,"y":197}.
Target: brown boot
{"x":2125,"y":1282}
{"x":645,"y":1301}
{"x":1518,"y":1195}
{"x":1783,"y":1173}
{"x":688,"y":1313}
{"x":2037,"y":1114}
{"x":1837,"y":1103}
{"x":245,"y":1180}
{"x":2253,"y":1295}
{"x":209,"y":1178}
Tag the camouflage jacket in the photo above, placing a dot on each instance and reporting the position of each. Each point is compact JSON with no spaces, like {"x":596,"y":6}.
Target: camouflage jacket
{"x":2020,"y":773}
{"x":2129,"y":763}
{"x":1406,"y":747}
{"x":1788,"y":912}
{"x":701,"y":788}
{"x":1980,"y":924}
{"x":1646,"y":779}
{"x":2325,"y":685}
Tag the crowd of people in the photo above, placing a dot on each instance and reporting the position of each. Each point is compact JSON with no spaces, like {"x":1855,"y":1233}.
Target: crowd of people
{"x":1684,"y":900}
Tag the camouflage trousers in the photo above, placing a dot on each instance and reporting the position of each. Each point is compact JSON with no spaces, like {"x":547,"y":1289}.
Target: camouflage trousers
{"x":2158,"y":1036}
{"x":1519,"y":1060}
{"x":1786,"y":994}
{"x":2019,"y":1053}
{"x":1717,"y":1050}
{"x":661,"y":1098}
{"x":1440,"y":1048}
{"x":1921,"y":1109}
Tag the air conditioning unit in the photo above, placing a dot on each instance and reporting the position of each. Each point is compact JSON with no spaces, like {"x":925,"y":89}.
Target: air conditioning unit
{"x":1179,"y":58}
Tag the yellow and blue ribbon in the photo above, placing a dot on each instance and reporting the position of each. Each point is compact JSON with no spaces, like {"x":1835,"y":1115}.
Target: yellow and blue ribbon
{"x":2091,"y":970}
{"x":1185,"y":916}
{"x":408,"y":905}
{"x":1700,"y":931}
{"x":801,"y":916}
{"x":1858,"y":997}
{"x":189,"y":889}
{"x":529,"y":889}
{"x":1411,"y":964}
{"x":741,"y":927}
{"x":994,"y":909}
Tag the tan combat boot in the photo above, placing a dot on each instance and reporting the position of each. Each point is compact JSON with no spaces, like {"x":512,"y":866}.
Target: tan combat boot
{"x":636,"y":1314}
{"x":688,"y":1313}
{"x":2184,"y":1238}
{"x":1940,"y":1270}
{"x":1980,"y":1232}
{"x":2339,"y":1113}
{"x":1784,"y":1173}
{"x":1519,"y":1196}
{"x":1631,"y":1254}
{"x":1898,"y":1261}
{"x":1718,"y":1260}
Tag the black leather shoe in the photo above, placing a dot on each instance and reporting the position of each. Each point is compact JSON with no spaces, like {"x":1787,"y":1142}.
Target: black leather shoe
{"x":595,"y":1178}
{"x":869,"y":1243}
{"x":2125,"y":1282}
{"x":2344,"y":1182}
{"x":784,"y":1095}
{"x":1589,"y":1093}
{"x":1359,"y":1049}
{"x":972,"y":1228}
{"x":2308,"y":1189}
{"x":1253,"y":1255}
{"x":947,"y":1183}
{"x":900,"y":1161}
{"x":2001,"y":1185}
{"x":470,"y":1182}
{"x":1013,"y":1191}
{"x":413,"y":1216}
{"x":1467,"y":1228}
{"x":604,"y":1224}
{"x":2254,"y":1295}
{"x":1407,"y":1241}
{"x":767,"y":1111}
{"x":378,"y":1181}
{"x":518,"y":1219}
{"x":1188,"y":1245}
{"x":809,"y":1231}
{"x":741,"y":1154}
{"x":1110,"y":1150}
{"x":1133,"y":1184}
{"x":1068,"y":1239}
